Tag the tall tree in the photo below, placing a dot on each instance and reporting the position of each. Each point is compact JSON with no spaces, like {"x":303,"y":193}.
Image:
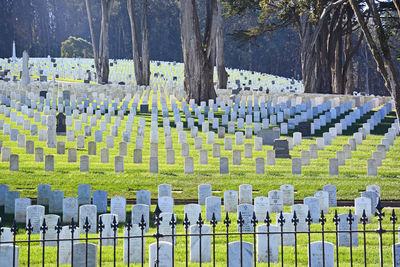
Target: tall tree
{"x":141,"y":58}
{"x":320,"y":27}
{"x":378,"y":42}
{"x":220,"y":59}
{"x":198,"y":53}
{"x":101,"y":53}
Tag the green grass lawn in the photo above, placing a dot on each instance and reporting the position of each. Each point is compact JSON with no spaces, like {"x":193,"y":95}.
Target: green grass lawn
{"x":351,"y":181}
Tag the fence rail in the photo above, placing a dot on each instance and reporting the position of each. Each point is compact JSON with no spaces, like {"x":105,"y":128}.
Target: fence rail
{"x":317,"y":256}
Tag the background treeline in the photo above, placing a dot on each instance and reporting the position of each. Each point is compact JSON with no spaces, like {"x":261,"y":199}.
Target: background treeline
{"x":40,"y":26}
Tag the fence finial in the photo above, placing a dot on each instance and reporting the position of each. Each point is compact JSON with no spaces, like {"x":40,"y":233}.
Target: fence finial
{"x":28,"y":228}
{"x":295,"y":220}
{"x":186,"y":222}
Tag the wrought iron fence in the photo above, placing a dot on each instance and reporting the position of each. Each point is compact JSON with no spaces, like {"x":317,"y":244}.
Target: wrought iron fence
{"x":157,"y":236}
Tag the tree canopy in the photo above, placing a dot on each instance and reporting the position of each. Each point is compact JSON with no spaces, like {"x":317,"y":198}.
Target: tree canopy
{"x":76,"y":47}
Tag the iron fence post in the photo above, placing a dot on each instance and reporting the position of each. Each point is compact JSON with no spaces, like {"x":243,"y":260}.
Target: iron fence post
{"x":114,"y":226}
{"x":364,"y":220}
{"x":393,"y":219}
{"x":281,"y":221}
{"x":172,"y":223}
{"x":14,"y":231}
{"x":380,"y":230}
{"x":268,"y":223}
{"x":58,"y":229}
{"x":227,"y":222}
{"x":213,"y":222}
{"x":336,"y":220}
{"x":240,"y":222}
{"x":295,"y":220}
{"x":186,"y":224}
{"x":86,"y":227}
{"x":43,"y":228}
{"x":157,"y":235}
{"x":100,"y":226}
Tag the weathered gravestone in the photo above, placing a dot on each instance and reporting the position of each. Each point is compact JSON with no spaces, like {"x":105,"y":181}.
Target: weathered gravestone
{"x":288,"y":239}
{"x":164,"y":254}
{"x":281,"y":148}
{"x":100,"y":200}
{"x":9,"y":255}
{"x":108,"y":220}
{"x":9,"y":207}
{"x":246,"y":211}
{"x":51,"y":233}
{"x":61,"y":128}
{"x":261,"y":207}
{"x":83,"y":259}
{"x":43,"y":94}
{"x":305,"y":129}
{"x":84,"y":194}
{"x":230,"y":201}
{"x":344,"y":225}
{"x":319,"y":252}
{"x":204,"y":191}
{"x":268,"y":136}
{"x":43,"y":194}
{"x":56,"y":201}
{"x":275,"y":200}
{"x":213,"y":206}
{"x":245,"y":194}
{"x":140,"y":211}
{"x":118,"y":207}
{"x":192,"y":211}
{"x":268,"y":248}
{"x":135,"y":245}
{"x":70,"y":209}
{"x":205,"y":244}
{"x":240,"y":254}
{"x":20,"y":209}
{"x":166,"y":204}
{"x":313,"y":207}
{"x":89,"y":212}
{"x":143,"y":197}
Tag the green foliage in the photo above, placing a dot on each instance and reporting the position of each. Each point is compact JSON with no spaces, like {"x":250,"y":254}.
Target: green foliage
{"x":76,"y":47}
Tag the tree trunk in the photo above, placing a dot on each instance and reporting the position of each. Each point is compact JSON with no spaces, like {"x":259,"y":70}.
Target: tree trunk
{"x":322,"y":68}
{"x":141,"y":57}
{"x":348,"y":69}
{"x":366,"y":69}
{"x":135,"y":43}
{"x":349,"y":52}
{"x":335,"y":51}
{"x":145,"y":47}
{"x":92,"y":35}
{"x":102,"y":54}
{"x":314,"y":59}
{"x":222,"y":74}
{"x":314,"y":50}
{"x":307,"y":58}
{"x":337,"y":78}
{"x":197,"y":54}
{"x":397,"y":5}
{"x":106,"y":6}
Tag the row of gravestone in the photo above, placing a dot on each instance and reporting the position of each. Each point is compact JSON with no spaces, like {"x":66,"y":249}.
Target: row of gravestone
{"x":334,"y":163}
{"x":325,"y":106}
{"x":164,"y":72}
{"x":281,"y":150}
{"x":69,"y":207}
